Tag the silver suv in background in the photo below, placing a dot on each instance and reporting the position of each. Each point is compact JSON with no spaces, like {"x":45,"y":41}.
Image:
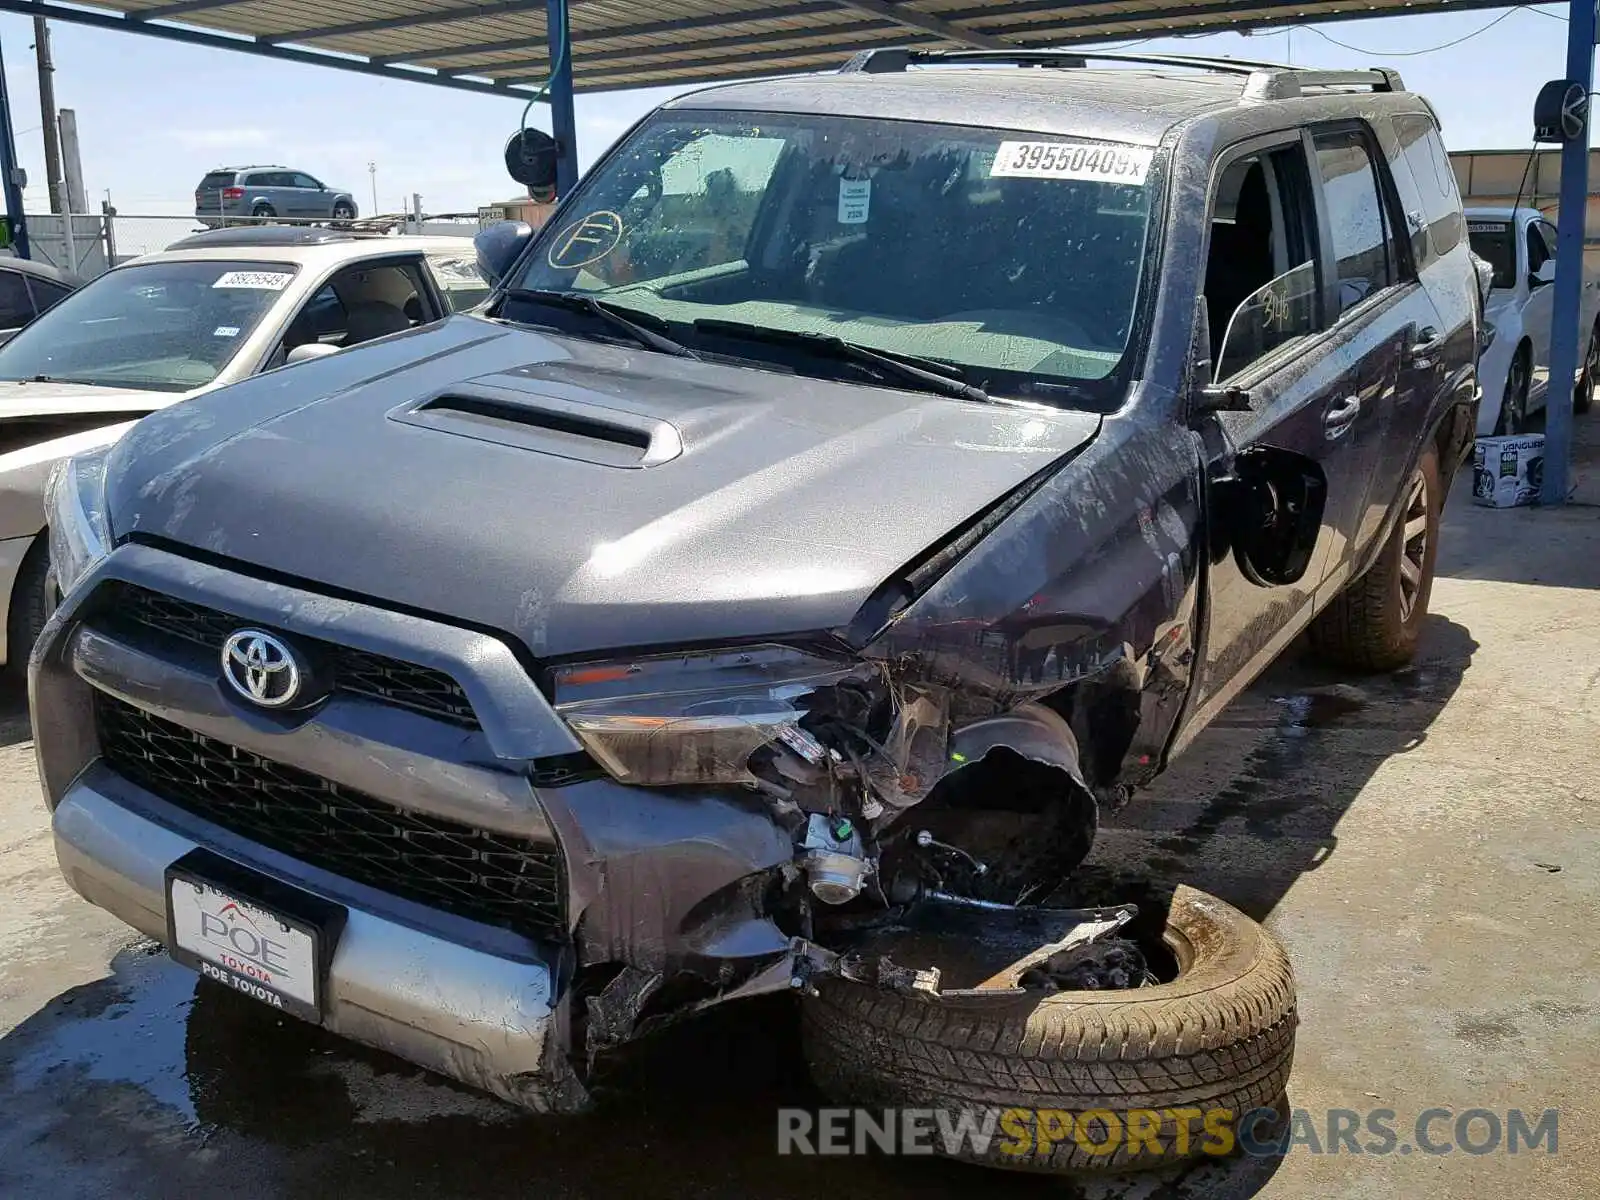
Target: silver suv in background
{"x":229,"y":193}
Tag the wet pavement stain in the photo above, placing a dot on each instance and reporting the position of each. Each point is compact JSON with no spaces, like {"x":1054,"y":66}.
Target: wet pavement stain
{"x":151,"y":1083}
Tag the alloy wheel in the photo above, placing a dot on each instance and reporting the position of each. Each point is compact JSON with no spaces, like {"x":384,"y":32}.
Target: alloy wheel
{"x":1414,"y":548}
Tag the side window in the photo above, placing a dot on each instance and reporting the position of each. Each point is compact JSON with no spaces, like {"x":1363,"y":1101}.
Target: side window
{"x":1538,"y":251}
{"x":16,"y":307}
{"x":1365,"y":258}
{"x":300,"y":180}
{"x":47,"y":295}
{"x":1261,"y":289}
{"x":1424,"y":154}
{"x":1550,"y":236}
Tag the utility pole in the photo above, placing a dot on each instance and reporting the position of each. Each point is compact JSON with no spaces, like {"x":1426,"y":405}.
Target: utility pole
{"x":372,"y":174}
{"x":47,"y":112}
{"x":12,"y":177}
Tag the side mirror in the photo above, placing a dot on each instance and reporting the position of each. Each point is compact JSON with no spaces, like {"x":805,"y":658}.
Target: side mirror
{"x":499,"y":246}
{"x":308,"y":351}
{"x":531,"y":160}
{"x":1545,"y":274}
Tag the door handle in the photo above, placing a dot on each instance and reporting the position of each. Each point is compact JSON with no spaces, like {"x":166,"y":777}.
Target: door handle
{"x":1337,"y":418}
{"x":1428,"y":340}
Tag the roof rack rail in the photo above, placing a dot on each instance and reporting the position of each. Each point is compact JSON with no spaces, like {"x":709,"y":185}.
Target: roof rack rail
{"x":1264,"y":80}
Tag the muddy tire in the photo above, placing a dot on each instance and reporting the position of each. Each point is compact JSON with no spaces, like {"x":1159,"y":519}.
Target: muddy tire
{"x":1219,"y":1038}
{"x":1375,"y":623}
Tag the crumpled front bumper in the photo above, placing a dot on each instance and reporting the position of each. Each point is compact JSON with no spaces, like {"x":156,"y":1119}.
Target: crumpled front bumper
{"x":489,"y":1021}
{"x":654,"y":882}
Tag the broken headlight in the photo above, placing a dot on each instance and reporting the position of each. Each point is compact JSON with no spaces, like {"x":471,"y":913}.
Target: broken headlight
{"x":75,"y":507}
{"x":698,"y":718}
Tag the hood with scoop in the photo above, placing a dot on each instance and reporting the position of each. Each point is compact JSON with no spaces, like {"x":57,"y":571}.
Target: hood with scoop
{"x":577,"y":496}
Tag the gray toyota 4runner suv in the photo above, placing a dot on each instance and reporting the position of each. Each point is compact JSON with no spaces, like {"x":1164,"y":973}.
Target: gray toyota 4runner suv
{"x":859,"y":482}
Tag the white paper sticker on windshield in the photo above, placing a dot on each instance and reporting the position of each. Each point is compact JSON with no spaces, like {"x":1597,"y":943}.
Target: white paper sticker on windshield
{"x":1485,"y":227}
{"x":1072,"y":160}
{"x":855,"y":201}
{"x":225,"y":331}
{"x":266,"y":281}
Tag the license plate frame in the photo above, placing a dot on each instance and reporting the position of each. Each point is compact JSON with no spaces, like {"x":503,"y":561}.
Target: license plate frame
{"x":210,"y":878}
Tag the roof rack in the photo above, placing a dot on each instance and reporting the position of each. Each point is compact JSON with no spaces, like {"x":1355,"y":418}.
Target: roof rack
{"x":1264,"y":80}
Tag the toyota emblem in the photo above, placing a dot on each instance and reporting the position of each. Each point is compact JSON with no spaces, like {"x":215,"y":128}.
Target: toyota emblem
{"x":261,"y":668}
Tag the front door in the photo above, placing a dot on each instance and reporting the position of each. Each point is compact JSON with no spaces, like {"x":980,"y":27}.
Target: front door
{"x":1272,"y":301}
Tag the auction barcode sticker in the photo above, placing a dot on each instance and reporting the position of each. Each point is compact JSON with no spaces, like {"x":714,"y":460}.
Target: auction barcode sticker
{"x":267,"y":281}
{"x":1072,"y":160}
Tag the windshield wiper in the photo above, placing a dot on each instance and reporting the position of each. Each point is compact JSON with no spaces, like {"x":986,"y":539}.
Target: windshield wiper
{"x":619,"y":318}
{"x":928,"y":374}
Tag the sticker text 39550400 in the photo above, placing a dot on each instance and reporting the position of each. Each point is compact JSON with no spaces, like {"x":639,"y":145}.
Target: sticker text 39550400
{"x":1072,"y":160}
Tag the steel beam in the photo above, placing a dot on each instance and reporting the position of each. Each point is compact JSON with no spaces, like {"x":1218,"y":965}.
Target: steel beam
{"x":217,"y":41}
{"x":563,"y":117}
{"x":442,"y":16}
{"x":642,"y":29}
{"x":165,"y":12}
{"x":9,"y":173}
{"x":910,"y":18}
{"x":1566,"y":332}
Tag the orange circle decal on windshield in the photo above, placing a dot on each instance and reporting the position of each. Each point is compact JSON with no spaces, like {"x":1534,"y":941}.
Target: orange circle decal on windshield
{"x":586,"y":240}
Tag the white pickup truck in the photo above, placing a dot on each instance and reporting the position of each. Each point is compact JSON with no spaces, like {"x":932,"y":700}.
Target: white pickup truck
{"x":1514,"y":371}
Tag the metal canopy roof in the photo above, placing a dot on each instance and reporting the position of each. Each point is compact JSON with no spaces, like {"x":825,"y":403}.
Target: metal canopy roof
{"x":499,"y":46}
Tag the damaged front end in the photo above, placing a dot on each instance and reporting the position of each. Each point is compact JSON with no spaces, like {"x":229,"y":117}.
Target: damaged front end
{"x":783,"y":804}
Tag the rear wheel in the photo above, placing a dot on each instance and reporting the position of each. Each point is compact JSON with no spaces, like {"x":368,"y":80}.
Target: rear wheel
{"x":1375,"y":623}
{"x":1078,"y":1080}
{"x":342,"y":211}
{"x":263,"y":211}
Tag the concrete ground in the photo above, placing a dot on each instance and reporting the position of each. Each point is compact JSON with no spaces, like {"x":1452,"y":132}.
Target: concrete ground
{"x":1427,"y":844}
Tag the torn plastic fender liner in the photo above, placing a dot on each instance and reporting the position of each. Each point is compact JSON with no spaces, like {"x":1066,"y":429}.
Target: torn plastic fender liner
{"x":1031,"y":730}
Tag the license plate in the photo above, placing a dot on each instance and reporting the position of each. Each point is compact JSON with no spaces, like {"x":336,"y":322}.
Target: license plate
{"x":260,"y":937}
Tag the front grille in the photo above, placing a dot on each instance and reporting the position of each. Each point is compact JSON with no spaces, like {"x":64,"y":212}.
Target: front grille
{"x":359,"y":672}
{"x":491,"y":877}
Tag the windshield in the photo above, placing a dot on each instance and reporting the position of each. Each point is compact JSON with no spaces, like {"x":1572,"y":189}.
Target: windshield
{"x":1493,"y":242}
{"x":1015,"y":258}
{"x":166,"y":326}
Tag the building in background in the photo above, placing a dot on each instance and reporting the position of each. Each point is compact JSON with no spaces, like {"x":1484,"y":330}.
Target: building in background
{"x":1502,"y":178}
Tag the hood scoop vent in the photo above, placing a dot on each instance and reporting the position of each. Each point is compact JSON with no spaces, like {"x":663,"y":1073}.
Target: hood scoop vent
{"x":546,"y":424}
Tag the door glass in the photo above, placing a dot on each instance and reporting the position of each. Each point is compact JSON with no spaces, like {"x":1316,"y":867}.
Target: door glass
{"x":1430,"y":168}
{"x":16,"y":309}
{"x":1364,"y":260}
{"x":1537,"y":251}
{"x":46,"y":294}
{"x":305,"y":181}
{"x":1261,"y":275}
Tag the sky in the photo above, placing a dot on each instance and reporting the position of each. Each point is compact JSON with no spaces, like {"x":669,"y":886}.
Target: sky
{"x":154,"y":116}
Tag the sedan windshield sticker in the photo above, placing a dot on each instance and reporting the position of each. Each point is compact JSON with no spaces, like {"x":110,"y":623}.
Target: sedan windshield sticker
{"x":1072,"y":160}
{"x":225,"y":331}
{"x":586,"y":240}
{"x":1485,"y":227}
{"x":265,"y":281}
{"x":855,"y":201}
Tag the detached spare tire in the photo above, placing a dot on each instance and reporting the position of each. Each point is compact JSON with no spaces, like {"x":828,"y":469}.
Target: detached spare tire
{"x":1078,"y":1080}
